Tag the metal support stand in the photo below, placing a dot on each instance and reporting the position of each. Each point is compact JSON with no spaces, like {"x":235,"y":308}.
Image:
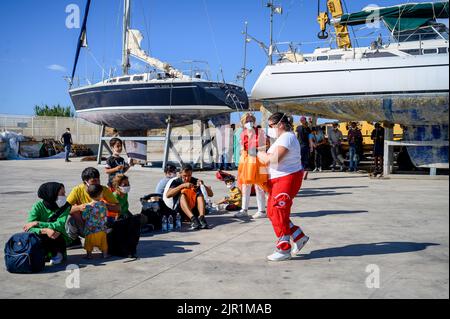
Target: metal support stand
{"x":388,"y":156}
{"x":202,"y":155}
{"x":102,"y":144}
{"x":388,"y":148}
{"x":433,"y":171}
{"x":168,"y":142}
{"x":206,"y":145}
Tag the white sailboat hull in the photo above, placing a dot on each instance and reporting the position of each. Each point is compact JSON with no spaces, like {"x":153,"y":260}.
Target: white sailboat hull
{"x":405,"y":90}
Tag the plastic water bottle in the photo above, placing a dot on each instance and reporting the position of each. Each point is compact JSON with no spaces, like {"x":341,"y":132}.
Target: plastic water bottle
{"x":170,"y":223}
{"x":164,"y":223}
{"x":178,"y":222}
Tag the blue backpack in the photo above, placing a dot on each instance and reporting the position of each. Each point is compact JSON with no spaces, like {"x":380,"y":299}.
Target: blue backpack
{"x":24,"y":254}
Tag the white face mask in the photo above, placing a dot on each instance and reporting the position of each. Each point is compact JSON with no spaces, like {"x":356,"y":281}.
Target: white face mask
{"x":272,"y":132}
{"x":125,"y":189}
{"x":61,"y":201}
{"x":249,"y":125}
{"x":231,"y":186}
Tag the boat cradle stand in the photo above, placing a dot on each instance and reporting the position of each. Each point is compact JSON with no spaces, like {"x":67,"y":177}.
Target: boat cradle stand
{"x":389,"y":143}
{"x":207,"y":144}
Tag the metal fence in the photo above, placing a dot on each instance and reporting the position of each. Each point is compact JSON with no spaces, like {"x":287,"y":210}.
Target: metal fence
{"x":40,"y":127}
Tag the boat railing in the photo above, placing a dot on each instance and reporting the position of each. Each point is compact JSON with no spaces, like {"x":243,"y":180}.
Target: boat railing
{"x":300,"y":48}
{"x":195,"y":69}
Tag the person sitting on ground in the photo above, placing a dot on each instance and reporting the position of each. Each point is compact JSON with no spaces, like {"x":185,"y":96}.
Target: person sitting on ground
{"x":121,"y":188}
{"x":94,"y":217}
{"x":47,"y":219}
{"x":187,"y":195}
{"x":115,"y":164}
{"x":234,"y":201}
{"x":79,"y":197}
{"x":170,"y":172}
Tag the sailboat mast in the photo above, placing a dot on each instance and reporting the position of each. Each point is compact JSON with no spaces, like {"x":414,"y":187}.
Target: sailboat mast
{"x":270,"y":5}
{"x":126,"y":27}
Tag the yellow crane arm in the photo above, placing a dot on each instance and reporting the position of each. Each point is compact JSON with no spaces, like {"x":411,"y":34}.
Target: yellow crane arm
{"x":342,"y":34}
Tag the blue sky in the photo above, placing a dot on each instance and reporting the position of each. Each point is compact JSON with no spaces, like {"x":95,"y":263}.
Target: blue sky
{"x":38,"y":50}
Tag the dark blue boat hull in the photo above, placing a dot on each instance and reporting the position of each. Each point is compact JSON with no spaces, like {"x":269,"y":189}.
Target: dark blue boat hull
{"x":135,"y":106}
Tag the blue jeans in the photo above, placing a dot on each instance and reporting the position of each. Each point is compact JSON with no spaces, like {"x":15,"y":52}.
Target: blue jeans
{"x":354,"y":158}
{"x":67,"y":149}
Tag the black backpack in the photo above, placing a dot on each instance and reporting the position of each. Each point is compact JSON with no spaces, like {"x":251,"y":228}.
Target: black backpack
{"x":125,"y":235}
{"x":24,"y":254}
{"x":154,"y":211}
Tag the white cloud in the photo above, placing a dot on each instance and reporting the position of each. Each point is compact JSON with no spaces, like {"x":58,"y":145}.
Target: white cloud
{"x":57,"y":68}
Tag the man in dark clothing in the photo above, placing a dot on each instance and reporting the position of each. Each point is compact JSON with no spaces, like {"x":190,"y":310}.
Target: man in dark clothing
{"x":66,"y":139}
{"x":355,"y":143}
{"x":303,"y":132}
{"x":378,"y":147}
{"x":187,"y":196}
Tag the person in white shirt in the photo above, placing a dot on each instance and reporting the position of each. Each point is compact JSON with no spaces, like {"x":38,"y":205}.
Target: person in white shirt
{"x":285,"y":179}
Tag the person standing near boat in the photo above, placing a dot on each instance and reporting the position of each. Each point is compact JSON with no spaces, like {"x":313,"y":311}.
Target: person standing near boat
{"x":66,"y":139}
{"x":285,"y":179}
{"x":303,"y":131}
{"x":355,"y":146}
{"x":335,"y":137}
{"x":251,"y":171}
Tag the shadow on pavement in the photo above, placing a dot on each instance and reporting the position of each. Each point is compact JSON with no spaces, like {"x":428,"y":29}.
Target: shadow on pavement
{"x":310,"y":178}
{"x":321,"y":213}
{"x":382,"y":248}
{"x":159,"y":248}
{"x":313,"y":193}
{"x":325,"y":191}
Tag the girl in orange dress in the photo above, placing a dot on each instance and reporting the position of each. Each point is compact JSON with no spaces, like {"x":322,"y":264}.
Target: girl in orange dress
{"x":251,"y":170}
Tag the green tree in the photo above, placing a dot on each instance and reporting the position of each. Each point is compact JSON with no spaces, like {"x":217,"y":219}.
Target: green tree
{"x":55,"y":110}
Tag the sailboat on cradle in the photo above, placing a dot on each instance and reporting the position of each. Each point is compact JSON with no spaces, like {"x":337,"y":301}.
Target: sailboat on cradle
{"x":404,"y":80}
{"x":149,"y":100}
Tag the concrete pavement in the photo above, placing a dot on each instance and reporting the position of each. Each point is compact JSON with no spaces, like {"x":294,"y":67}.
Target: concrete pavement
{"x":359,"y":227}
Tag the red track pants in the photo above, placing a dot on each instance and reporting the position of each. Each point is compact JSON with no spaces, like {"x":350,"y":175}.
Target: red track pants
{"x":282,"y":192}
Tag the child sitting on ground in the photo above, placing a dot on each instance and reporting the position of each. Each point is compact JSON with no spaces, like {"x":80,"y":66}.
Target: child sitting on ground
{"x":115,"y":164}
{"x":234,"y":201}
{"x":94,"y":217}
{"x":121,"y":188}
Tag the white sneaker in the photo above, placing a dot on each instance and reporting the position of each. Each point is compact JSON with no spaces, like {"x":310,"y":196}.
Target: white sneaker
{"x":57,"y":259}
{"x":279,"y":255}
{"x":241,"y":213}
{"x":259,"y":215}
{"x":296,"y":247}
{"x":320,"y":170}
{"x":315,"y":170}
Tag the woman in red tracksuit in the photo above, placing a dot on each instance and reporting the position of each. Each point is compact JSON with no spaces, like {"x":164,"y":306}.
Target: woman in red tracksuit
{"x":286,"y":176}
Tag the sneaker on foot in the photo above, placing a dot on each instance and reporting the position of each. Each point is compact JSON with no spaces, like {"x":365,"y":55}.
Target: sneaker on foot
{"x":195,"y":224}
{"x":279,"y":255}
{"x":241,"y":213}
{"x":320,"y":170}
{"x":57,"y":259}
{"x":297,"y":246}
{"x":315,"y":170}
{"x":203,"y":223}
{"x":259,"y":215}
